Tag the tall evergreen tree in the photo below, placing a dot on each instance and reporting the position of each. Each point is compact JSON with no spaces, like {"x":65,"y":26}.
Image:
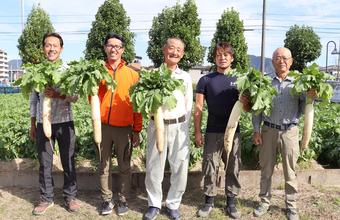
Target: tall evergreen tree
{"x":111,"y":17}
{"x":30,"y":42}
{"x":304,"y":44}
{"x":229,"y":28}
{"x":177,"y":21}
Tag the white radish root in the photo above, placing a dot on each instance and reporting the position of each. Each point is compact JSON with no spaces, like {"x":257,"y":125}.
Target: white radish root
{"x":159,"y":126}
{"x":231,"y":127}
{"x":308,"y":126}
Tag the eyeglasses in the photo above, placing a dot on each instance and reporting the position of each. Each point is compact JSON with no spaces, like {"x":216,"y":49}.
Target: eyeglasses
{"x":116,"y":47}
{"x":278,"y":59}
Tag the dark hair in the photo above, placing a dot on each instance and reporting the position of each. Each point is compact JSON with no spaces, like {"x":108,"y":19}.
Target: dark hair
{"x":114,"y":35}
{"x":224,"y":45}
{"x":53,"y":34}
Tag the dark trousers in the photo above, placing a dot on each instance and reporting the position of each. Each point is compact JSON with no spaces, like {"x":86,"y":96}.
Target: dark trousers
{"x":64,"y":134}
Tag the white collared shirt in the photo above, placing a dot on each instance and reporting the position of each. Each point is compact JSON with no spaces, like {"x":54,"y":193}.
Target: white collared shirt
{"x":184,"y":101}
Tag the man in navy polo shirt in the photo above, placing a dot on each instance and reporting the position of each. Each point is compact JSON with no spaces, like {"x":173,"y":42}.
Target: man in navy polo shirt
{"x":219,"y":91}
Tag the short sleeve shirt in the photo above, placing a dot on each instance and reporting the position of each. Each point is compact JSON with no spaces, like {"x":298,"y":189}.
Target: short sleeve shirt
{"x":220,"y":93}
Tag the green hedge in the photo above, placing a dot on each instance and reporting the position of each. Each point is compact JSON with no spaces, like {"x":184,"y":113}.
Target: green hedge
{"x":15,"y":141}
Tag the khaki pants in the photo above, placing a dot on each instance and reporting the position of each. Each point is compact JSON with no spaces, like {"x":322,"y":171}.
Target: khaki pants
{"x":287,"y":142}
{"x":120,"y":138}
{"x":212,"y":154}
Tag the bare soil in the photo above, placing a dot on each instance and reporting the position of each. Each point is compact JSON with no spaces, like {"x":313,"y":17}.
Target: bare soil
{"x":314,"y":203}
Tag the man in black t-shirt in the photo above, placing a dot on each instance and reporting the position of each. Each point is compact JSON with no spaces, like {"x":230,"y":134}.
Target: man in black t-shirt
{"x":219,"y":91}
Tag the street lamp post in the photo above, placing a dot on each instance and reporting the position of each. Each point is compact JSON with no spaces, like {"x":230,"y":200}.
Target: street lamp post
{"x":333,"y":52}
{"x":337,"y":52}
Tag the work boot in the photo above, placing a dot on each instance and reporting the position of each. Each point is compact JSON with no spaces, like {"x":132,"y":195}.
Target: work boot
{"x":261,"y":209}
{"x":207,"y":207}
{"x":231,"y":208}
{"x":292,"y":214}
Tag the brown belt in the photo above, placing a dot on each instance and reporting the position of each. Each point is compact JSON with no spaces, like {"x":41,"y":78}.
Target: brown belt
{"x":172,"y":121}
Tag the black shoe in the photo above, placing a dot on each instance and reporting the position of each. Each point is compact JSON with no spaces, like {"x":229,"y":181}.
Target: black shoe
{"x":231,"y":208}
{"x":122,"y":208}
{"x":173,"y":214}
{"x":205,"y":210}
{"x":106,"y":208}
{"x":207,"y":207}
{"x":151,"y":214}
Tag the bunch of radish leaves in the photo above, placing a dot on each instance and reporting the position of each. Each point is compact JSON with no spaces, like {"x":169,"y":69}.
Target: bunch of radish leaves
{"x":257,"y":87}
{"x":83,"y":78}
{"x":154,"y":89}
{"x":312,"y":78}
{"x":37,"y":76}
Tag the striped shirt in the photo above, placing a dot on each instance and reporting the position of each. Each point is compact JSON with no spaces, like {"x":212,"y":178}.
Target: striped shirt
{"x":61,"y":108}
{"x":286,"y":109}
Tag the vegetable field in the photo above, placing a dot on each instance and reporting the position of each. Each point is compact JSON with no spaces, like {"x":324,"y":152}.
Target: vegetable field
{"x":15,"y":142}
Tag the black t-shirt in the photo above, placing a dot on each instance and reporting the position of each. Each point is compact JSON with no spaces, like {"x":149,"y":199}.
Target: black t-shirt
{"x":220,"y":93}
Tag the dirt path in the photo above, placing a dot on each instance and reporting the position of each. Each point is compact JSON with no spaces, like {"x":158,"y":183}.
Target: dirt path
{"x":314,"y":203}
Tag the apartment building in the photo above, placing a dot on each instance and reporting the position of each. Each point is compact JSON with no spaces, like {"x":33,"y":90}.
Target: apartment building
{"x":4,"y":77}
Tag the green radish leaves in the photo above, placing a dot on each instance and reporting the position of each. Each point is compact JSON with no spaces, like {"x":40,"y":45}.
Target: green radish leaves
{"x":312,"y":78}
{"x":154,"y":89}
{"x":257,"y":87}
{"x":83,"y":78}
{"x":38,"y":76}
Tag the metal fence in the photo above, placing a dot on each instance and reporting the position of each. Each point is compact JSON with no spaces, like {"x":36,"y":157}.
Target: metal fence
{"x":9,"y":89}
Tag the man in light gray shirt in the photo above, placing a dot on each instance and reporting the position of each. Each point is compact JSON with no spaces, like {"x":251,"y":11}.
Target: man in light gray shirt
{"x":62,"y":132}
{"x":280,"y":133}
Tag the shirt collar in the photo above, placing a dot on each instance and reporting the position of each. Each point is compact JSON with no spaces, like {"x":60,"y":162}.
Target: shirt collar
{"x":288,"y":78}
{"x":122,"y":63}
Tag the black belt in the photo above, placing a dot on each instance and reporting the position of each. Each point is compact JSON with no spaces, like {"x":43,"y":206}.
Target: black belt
{"x":172,"y":121}
{"x":283,"y":127}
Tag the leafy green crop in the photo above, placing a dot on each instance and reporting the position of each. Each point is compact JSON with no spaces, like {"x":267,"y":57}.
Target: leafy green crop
{"x":312,"y":78}
{"x":83,"y":77}
{"x":258,"y":87}
{"x":153,"y":90}
{"x":38,"y":76}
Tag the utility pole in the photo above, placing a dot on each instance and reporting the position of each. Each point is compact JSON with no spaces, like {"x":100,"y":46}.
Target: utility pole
{"x":263,"y":37}
{"x":22,"y":15}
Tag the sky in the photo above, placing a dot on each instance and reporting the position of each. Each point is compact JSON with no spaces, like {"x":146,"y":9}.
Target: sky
{"x":73,"y":19}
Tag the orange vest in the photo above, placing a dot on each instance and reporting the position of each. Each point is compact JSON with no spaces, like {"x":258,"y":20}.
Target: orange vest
{"x":115,"y":107}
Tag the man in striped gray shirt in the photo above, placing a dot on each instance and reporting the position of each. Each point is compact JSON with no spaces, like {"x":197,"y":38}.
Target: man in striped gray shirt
{"x":280,"y":133}
{"x":62,"y":132}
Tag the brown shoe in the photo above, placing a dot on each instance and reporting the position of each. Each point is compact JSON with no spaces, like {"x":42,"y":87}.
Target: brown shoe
{"x":72,"y":205}
{"x":42,"y":207}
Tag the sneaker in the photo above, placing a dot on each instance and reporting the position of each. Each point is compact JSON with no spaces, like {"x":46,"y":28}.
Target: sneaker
{"x":292,"y":215}
{"x":205,"y":210}
{"x":231,"y":208}
{"x":173,"y":214}
{"x":122,"y":208}
{"x":72,"y":205}
{"x":261,"y":209}
{"x":151,"y":214}
{"x":42,"y":207}
{"x":107,"y":208}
